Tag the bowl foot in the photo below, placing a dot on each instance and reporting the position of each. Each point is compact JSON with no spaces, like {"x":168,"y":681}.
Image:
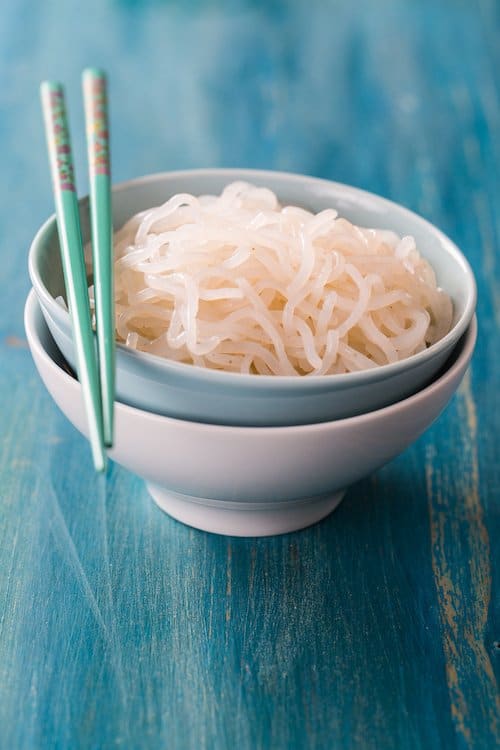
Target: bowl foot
{"x":244,"y":519}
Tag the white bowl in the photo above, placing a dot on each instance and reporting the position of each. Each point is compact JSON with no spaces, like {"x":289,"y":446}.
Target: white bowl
{"x":250,"y":481}
{"x":204,"y":395}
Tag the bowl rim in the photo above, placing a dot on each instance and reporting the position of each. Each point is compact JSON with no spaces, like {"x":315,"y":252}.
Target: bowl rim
{"x":341,"y":380}
{"x":32,"y":311}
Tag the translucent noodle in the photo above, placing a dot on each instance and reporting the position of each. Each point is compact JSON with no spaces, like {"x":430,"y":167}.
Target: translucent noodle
{"x":236,"y":282}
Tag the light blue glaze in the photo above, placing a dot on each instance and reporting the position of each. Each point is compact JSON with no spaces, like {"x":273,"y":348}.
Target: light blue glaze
{"x":194,"y":393}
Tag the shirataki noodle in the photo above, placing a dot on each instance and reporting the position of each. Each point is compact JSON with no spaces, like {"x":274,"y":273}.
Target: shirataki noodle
{"x":236,"y":282}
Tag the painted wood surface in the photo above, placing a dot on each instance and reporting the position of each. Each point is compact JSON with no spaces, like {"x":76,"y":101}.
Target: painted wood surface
{"x":378,"y":628}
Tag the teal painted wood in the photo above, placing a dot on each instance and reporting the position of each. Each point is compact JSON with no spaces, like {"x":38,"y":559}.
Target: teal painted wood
{"x":374,"y":629}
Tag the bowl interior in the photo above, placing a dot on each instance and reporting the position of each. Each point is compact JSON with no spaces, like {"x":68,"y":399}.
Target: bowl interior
{"x":362,"y":208}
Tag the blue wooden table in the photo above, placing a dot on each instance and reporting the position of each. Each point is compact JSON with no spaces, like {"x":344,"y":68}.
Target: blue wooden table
{"x":378,"y":628}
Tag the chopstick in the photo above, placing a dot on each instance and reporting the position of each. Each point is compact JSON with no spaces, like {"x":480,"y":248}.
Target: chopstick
{"x":70,"y":240}
{"x":96,"y":118}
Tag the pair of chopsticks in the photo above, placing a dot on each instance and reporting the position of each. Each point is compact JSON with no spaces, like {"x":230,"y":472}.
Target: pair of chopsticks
{"x":95,"y":369}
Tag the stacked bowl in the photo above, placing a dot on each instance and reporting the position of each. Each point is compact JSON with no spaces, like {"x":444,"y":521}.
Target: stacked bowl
{"x":255,"y":455}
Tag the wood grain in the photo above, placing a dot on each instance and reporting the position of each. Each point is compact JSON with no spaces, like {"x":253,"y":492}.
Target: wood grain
{"x":375,"y":629}
{"x":461,"y":563}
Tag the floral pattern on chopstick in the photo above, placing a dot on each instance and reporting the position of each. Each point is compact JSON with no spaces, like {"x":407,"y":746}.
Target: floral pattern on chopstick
{"x":98,"y":130}
{"x":61,"y":148}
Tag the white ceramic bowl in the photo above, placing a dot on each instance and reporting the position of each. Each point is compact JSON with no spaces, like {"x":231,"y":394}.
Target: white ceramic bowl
{"x":250,"y":481}
{"x":204,"y":395}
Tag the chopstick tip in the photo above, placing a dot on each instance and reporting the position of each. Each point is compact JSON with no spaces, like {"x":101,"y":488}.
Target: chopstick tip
{"x":49,"y":87}
{"x":101,"y":464}
{"x":93,"y":73}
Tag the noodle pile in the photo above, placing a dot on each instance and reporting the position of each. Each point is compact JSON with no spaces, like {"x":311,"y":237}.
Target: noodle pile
{"x":236,"y":282}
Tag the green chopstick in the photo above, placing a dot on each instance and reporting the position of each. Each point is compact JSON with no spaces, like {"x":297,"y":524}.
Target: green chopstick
{"x":96,"y":118}
{"x":70,"y":240}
